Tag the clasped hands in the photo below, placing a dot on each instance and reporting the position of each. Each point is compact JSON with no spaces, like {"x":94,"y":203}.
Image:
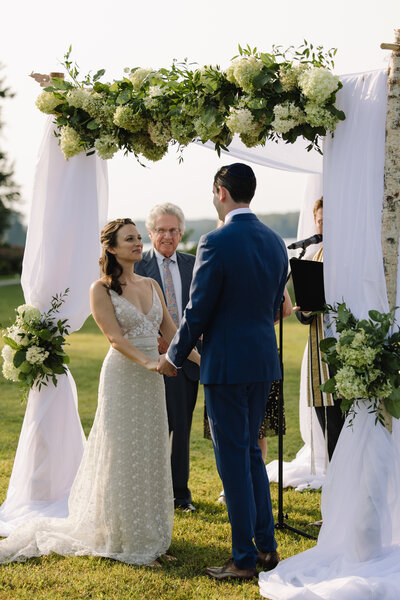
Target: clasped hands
{"x":165,"y":368}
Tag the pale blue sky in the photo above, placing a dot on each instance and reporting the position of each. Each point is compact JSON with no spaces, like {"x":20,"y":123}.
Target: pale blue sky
{"x":118,"y":34}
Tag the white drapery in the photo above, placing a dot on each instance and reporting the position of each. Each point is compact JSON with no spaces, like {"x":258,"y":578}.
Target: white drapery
{"x":69,"y":206}
{"x":358,"y":550}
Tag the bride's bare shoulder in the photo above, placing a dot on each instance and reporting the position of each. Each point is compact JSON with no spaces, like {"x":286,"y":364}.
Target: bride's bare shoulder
{"x":99,"y":287}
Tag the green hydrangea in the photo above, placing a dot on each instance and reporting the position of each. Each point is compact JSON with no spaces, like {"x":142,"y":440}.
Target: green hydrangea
{"x":70,"y":142}
{"x":47,"y":102}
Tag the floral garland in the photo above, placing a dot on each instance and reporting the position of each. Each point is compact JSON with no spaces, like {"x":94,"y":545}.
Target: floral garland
{"x":285,"y":94}
{"x":33,"y":353}
{"x":365,"y":361}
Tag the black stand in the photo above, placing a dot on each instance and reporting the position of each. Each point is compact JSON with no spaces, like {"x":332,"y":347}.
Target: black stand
{"x":281,"y":524}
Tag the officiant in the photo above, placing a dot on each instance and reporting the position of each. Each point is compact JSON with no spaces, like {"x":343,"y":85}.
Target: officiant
{"x":327,"y":408}
{"x":173,"y":271}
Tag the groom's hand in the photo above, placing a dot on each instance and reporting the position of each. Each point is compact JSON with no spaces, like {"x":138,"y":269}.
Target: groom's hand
{"x":164,"y":367}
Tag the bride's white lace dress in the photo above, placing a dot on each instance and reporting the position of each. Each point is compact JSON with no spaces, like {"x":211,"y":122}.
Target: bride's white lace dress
{"x":121,"y":502}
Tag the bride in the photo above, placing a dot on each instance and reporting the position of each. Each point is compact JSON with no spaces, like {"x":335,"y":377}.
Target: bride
{"x":121,"y":502}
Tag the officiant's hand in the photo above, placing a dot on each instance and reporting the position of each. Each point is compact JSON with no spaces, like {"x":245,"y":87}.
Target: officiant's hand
{"x":165,"y":368}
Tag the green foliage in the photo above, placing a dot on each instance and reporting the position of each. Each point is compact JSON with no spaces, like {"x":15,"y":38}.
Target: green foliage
{"x":180,"y":104}
{"x":36,"y":346}
{"x":365,"y":360}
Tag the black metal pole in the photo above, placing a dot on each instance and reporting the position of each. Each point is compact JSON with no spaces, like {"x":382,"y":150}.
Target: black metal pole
{"x":281,"y":524}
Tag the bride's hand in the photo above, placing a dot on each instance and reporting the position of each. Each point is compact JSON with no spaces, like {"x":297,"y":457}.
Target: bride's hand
{"x":151,"y":365}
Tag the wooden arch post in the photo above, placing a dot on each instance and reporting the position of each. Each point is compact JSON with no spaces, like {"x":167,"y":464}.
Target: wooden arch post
{"x":391,"y":198}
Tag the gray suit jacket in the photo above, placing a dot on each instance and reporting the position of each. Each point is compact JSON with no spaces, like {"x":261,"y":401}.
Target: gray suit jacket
{"x":148,"y":267}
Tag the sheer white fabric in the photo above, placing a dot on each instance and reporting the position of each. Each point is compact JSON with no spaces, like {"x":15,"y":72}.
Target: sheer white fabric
{"x":121,"y":503}
{"x":69,"y":206}
{"x":358,"y":550}
{"x":307,"y":469}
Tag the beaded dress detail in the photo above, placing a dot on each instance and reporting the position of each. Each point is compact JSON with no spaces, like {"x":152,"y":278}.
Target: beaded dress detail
{"x":121,"y":502}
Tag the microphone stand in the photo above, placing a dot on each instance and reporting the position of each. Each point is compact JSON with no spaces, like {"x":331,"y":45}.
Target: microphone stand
{"x":281,"y":523}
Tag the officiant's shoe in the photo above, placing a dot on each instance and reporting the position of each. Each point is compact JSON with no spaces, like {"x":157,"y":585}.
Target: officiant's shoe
{"x":231,"y":571}
{"x":188,"y":507}
{"x":268,"y":560}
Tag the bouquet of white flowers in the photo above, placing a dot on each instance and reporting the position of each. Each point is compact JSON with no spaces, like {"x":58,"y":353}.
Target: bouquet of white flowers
{"x":34,"y":346}
{"x":365,"y":361}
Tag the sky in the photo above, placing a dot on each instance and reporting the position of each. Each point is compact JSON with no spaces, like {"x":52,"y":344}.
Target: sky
{"x":34,"y":36}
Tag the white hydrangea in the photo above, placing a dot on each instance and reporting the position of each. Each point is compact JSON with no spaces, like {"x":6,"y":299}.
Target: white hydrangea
{"x":70,"y":142}
{"x":78,"y":97}
{"x":106,"y":146}
{"x":18,"y":335}
{"x":9,"y":371}
{"x":138,"y":77}
{"x":287,"y":116}
{"x":8,"y":353}
{"x":125,"y":117}
{"x":317,"y":116}
{"x":152,"y":96}
{"x":47,"y":101}
{"x":318,"y":84}
{"x":289,"y":75}
{"x":29,"y":314}
{"x":240,"y":120}
{"x":243,"y":71}
{"x":36,"y":355}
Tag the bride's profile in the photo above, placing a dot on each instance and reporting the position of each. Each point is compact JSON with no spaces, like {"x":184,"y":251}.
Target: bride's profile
{"x":121,"y":502}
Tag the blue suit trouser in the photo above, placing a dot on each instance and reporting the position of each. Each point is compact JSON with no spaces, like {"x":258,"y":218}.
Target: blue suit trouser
{"x":235,"y":413}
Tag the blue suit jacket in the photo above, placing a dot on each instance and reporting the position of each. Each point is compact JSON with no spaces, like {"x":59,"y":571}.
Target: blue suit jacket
{"x":148,"y":267}
{"x":237,"y":287}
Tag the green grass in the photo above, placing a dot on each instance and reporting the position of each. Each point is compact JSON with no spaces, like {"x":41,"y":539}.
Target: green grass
{"x":199,"y":540}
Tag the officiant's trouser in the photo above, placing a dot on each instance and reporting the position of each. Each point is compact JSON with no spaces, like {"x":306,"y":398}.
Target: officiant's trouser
{"x":181,"y":394}
{"x":235,"y":413}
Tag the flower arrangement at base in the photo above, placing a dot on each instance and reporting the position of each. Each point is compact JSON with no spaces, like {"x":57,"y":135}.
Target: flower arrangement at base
{"x":365,"y":361}
{"x":33,"y":353}
{"x":283,"y":94}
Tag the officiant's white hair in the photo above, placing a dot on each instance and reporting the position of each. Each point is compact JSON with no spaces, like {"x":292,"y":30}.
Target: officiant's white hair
{"x":165,"y":209}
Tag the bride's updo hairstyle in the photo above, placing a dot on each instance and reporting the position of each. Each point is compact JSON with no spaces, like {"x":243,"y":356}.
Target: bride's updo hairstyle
{"x":110,"y":267}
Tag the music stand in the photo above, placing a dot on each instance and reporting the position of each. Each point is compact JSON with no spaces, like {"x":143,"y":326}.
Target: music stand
{"x":315,"y":302}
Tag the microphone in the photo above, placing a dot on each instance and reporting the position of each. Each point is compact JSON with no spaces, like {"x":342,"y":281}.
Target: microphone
{"x":314,"y":239}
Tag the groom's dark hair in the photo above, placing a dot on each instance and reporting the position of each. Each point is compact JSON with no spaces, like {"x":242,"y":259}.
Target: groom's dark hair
{"x":239,"y":180}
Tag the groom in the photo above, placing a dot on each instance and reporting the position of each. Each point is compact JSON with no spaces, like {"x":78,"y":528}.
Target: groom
{"x":237,"y":288}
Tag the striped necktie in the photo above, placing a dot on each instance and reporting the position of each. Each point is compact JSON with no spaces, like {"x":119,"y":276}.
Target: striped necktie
{"x":170,"y":292}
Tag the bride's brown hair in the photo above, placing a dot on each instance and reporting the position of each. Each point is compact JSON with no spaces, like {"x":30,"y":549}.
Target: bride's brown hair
{"x":110,"y":267}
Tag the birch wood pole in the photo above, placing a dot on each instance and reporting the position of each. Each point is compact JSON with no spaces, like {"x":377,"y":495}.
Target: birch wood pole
{"x":391,"y":200}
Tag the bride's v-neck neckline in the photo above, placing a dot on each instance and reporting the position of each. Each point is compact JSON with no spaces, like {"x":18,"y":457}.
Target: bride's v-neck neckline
{"x":134,"y":305}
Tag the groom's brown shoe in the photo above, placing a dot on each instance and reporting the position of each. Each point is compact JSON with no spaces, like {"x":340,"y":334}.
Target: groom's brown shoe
{"x":268,"y":560}
{"x":231,"y":571}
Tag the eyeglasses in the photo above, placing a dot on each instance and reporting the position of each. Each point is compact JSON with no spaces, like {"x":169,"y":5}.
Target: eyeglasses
{"x":174,"y":231}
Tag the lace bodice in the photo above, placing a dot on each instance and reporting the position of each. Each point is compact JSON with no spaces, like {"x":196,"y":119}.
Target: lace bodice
{"x":132,"y":321}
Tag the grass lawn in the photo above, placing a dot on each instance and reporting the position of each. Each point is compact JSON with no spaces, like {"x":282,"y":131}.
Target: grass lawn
{"x":199,"y":540}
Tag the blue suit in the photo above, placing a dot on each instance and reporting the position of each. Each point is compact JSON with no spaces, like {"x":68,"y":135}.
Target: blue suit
{"x":237,"y":287}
